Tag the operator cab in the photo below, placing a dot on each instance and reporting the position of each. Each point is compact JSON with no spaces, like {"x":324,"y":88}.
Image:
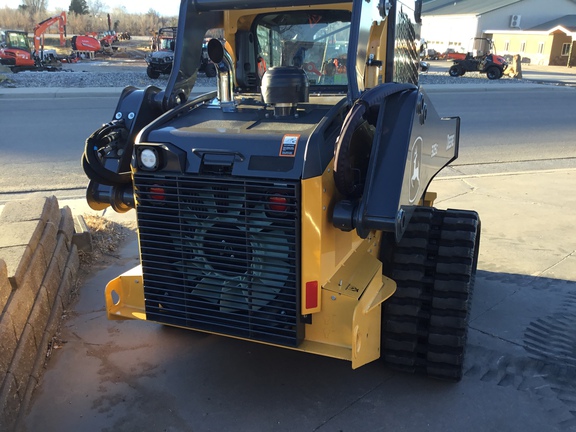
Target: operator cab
{"x":15,"y":48}
{"x":166,"y":44}
{"x":314,"y":42}
{"x":15,"y":40}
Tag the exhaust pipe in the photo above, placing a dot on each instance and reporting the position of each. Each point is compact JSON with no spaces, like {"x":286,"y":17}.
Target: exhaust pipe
{"x":226,"y":76}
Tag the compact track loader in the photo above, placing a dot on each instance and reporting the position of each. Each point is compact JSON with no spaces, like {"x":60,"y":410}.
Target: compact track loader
{"x":290,"y":206}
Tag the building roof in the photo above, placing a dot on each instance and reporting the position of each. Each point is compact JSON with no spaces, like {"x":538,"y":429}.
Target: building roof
{"x":463,"y":7}
{"x":567,"y":21}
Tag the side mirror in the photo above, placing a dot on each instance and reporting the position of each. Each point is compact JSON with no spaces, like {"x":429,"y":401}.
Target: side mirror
{"x":424,"y":66}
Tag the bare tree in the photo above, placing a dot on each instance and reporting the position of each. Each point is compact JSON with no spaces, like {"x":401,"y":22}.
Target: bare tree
{"x":135,"y":24}
{"x":96,"y":7}
{"x":33,"y":7}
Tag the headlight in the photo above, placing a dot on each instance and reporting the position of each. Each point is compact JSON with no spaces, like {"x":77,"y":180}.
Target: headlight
{"x":149,"y":158}
{"x":169,"y":59}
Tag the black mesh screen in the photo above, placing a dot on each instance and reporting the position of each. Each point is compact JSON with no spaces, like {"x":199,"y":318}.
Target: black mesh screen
{"x":406,"y":57}
{"x":220,"y":254}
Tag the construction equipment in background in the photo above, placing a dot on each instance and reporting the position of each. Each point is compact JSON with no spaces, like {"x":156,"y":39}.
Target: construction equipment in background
{"x":41,"y":28}
{"x":106,"y":37}
{"x":105,"y":41}
{"x":291,"y":207}
{"x":85,"y":45}
{"x":17,"y":54}
{"x":162,"y":55}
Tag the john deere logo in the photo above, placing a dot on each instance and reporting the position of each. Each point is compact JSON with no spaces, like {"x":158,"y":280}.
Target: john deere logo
{"x":415,"y":163}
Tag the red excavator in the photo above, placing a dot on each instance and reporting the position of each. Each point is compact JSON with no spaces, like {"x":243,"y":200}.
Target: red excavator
{"x":42,"y":27}
{"x":16,"y":52}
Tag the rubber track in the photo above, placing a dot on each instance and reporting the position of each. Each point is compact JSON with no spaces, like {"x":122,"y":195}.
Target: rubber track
{"x":425,"y":323}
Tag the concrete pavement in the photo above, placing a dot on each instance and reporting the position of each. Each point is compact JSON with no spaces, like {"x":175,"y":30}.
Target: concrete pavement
{"x":520,"y":370}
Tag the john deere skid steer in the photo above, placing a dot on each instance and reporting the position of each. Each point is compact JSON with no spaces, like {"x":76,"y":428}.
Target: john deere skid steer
{"x":290,"y":206}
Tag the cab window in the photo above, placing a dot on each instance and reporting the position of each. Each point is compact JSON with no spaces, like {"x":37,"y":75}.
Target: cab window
{"x":316,"y":41}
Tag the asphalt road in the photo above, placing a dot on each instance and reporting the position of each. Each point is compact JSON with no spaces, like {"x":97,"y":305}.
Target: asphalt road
{"x":42,"y":140}
{"x":511,"y":124}
{"x":43,"y":137}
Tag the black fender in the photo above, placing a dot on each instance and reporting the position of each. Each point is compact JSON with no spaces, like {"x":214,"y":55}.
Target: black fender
{"x":411,"y":145}
{"x":355,"y":139}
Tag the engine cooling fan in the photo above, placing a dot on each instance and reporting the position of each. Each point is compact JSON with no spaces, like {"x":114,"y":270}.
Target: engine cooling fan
{"x":235,"y":264}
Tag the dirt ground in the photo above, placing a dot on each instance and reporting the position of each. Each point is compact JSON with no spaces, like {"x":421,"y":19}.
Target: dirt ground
{"x":136,"y":48}
{"x":127,"y":56}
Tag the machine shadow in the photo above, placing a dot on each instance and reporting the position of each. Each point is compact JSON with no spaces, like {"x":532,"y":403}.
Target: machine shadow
{"x":520,"y":338}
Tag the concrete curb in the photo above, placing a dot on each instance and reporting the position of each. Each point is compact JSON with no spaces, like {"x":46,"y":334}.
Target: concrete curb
{"x":59,"y":92}
{"x":91,"y":92}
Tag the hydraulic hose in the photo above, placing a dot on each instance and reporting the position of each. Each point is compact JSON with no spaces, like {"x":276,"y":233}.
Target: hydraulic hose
{"x":93,"y":159}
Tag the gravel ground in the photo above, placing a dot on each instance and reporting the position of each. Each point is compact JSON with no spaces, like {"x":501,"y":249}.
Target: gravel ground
{"x":109,"y":74}
{"x":82,"y":79}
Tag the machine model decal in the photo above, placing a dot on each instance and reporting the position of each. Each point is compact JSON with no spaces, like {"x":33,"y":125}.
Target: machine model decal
{"x":415,"y":169}
{"x":434,"y":150}
{"x":451,"y":140}
{"x":289,"y":145}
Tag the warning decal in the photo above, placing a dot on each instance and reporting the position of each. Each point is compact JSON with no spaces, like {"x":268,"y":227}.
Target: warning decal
{"x":289,"y":145}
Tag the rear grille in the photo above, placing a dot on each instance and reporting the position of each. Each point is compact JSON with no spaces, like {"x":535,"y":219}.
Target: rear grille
{"x":221,"y":255}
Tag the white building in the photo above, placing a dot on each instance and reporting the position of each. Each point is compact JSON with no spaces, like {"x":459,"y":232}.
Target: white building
{"x":456,"y":23}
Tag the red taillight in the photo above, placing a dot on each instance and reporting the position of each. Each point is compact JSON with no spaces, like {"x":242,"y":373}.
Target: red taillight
{"x":311,"y":294}
{"x":278,"y":203}
{"x":157,"y":193}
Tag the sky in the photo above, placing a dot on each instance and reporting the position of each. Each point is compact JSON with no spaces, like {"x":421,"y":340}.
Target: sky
{"x":163,"y":7}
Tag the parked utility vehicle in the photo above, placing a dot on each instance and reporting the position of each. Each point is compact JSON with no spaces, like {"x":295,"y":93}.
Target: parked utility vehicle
{"x":160,"y":60}
{"x":489,"y":63}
